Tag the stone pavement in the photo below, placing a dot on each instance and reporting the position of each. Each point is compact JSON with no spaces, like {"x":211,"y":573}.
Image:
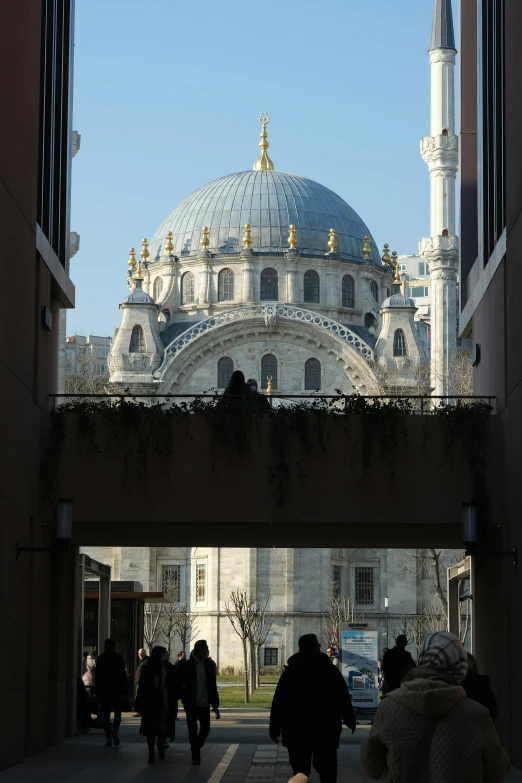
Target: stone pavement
{"x":237,"y":752}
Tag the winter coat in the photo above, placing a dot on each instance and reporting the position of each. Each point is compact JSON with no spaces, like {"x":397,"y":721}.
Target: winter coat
{"x":111,"y":678}
{"x":395,"y":665}
{"x":428,"y":731}
{"x":139,"y":671}
{"x":89,"y":678}
{"x":188,"y":681}
{"x":478,"y":687}
{"x":311,"y":702}
{"x":157,"y":698}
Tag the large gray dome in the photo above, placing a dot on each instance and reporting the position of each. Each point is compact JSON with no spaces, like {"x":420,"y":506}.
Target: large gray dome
{"x":270,"y":201}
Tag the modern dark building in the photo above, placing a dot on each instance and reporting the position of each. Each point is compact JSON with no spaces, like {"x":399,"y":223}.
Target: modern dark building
{"x":36,"y":40}
{"x":491,"y":315}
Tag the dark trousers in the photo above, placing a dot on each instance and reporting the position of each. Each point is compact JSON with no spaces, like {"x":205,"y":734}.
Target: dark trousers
{"x":195,"y":714}
{"x":324,"y":760}
{"x":114,"y":701}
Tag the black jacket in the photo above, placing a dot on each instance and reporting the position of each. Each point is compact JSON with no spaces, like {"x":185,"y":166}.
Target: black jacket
{"x":110,"y":674}
{"x":396,"y":664}
{"x":139,"y":670}
{"x":478,"y":687}
{"x":188,"y":682}
{"x":311,"y":702}
{"x":157,"y":698}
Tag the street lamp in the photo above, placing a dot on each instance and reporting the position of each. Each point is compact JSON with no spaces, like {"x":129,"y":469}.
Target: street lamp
{"x":386,"y":604}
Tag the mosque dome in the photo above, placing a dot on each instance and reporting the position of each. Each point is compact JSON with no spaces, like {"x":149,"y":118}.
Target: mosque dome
{"x":398,"y":300}
{"x":270,"y":201}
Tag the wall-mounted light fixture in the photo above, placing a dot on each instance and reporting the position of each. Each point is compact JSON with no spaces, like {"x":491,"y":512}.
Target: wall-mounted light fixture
{"x":470,"y":536}
{"x":63,"y":534}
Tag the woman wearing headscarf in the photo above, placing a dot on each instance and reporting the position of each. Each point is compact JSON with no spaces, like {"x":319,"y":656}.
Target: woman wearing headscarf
{"x":428,"y":731}
{"x":157,"y":701}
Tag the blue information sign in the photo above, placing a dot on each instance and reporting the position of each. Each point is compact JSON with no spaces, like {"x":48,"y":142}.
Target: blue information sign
{"x":359,"y":655}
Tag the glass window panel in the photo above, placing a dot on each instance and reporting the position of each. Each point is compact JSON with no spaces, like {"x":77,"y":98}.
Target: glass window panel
{"x":225,"y":369}
{"x":312,"y":375}
{"x":348,"y":291}
{"x":269,"y":284}
{"x":187,"y":288}
{"x":268,"y":368}
{"x":171,"y":581}
{"x":400,"y":347}
{"x":137,"y":340}
{"x":225,"y":285}
{"x":311,"y":287}
{"x":364,"y":587}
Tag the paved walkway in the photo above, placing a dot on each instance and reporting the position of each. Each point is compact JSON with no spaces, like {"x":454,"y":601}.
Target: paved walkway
{"x":237,"y":752}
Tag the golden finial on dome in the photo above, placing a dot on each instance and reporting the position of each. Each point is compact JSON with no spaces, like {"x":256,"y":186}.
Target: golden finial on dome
{"x":332,"y":241}
{"x":263,"y":163}
{"x":144,"y":253}
{"x":292,"y":241}
{"x":169,"y":246}
{"x":138,"y":275}
{"x":204,"y":241}
{"x":247,"y":239}
{"x":132,"y":260}
{"x":366,"y":249}
{"x":386,"y":255}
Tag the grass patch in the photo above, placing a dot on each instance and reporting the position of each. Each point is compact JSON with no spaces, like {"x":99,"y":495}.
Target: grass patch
{"x":239,"y":679}
{"x":235,"y":697}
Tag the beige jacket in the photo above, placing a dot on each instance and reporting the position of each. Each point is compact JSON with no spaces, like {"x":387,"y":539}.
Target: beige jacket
{"x":428,"y":731}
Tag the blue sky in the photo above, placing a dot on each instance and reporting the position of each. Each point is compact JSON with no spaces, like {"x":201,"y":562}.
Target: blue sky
{"x":167,"y":97}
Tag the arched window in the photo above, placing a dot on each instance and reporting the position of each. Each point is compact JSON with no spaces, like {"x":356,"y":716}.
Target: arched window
{"x":137,"y":340}
{"x":374,"y":290}
{"x":312,"y":375}
{"x":157,"y":288}
{"x":187,"y":288}
{"x":225,"y":370}
{"x":225,"y":285}
{"x":268,"y":367}
{"x":399,"y":343}
{"x":269,"y":284}
{"x":348,"y":291}
{"x":311,"y":287}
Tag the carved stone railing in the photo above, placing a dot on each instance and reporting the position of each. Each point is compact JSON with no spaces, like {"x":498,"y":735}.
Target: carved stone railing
{"x":270,"y":313}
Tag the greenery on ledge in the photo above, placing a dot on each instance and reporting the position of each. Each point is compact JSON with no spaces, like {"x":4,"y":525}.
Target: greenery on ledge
{"x":145,"y":427}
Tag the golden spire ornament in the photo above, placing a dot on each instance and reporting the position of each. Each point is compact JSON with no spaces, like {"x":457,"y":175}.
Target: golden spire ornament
{"x":366,"y":248}
{"x":144,"y":253}
{"x":386,"y":255}
{"x":292,"y":241}
{"x":332,"y":241}
{"x":169,"y":245}
{"x":132,"y":260}
{"x":269,"y":385}
{"x":138,"y":275}
{"x":204,"y":241}
{"x":263,"y":163}
{"x":247,"y":239}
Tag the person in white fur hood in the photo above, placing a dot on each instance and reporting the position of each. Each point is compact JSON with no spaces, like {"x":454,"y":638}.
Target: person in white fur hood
{"x":428,"y":731}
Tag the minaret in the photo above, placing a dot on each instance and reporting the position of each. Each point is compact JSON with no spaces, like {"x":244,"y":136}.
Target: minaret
{"x":440,"y":151}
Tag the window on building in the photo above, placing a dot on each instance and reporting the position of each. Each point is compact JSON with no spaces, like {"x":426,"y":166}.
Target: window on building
{"x":312,"y":375}
{"x":337,"y":573}
{"x":424,"y":268}
{"x":403,"y":267}
{"x":187,"y":288}
{"x":226,"y":285}
{"x":370,"y":321}
{"x":268,"y":367}
{"x":364,"y":585}
{"x":399,"y":343}
{"x":269,"y":285}
{"x":311,"y":287}
{"x":137,"y":340}
{"x":157,"y":288}
{"x":419,"y":290}
{"x":271,"y":656}
{"x":225,"y":369}
{"x":348,"y":291}
{"x":375,"y":290}
{"x":171,"y":581}
{"x":201,"y":582}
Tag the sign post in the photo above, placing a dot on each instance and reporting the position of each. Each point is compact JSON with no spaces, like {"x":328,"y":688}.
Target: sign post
{"x":359,"y":656}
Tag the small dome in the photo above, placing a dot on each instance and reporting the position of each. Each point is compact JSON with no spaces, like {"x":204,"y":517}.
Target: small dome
{"x":139,"y":296}
{"x":398,"y":300}
{"x":270,"y":201}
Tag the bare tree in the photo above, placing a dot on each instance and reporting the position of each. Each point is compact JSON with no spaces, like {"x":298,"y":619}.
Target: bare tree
{"x":262,"y":622}
{"x":168,"y":624}
{"x":432,"y":564}
{"x":185,"y":625}
{"x":240,"y":609}
{"x":152,"y":618}
{"x":85,"y":372}
{"x":340,"y":610}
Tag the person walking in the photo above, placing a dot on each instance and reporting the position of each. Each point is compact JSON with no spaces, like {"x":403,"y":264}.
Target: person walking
{"x":157,"y":701}
{"x":310,"y":704}
{"x":333,"y":656}
{"x":428,"y":731}
{"x":181,"y":657}
{"x":478,"y":687}
{"x":237,"y":386}
{"x":198,"y":693}
{"x":396,"y":663}
{"x":111,"y":684}
{"x":142,"y":659}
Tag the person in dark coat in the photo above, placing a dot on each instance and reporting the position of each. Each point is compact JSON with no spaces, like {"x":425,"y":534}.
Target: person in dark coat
{"x":237,"y":386}
{"x":157,"y":700}
{"x":478,"y":687}
{"x":396,"y":664}
{"x":198,"y":692}
{"x":142,"y":659}
{"x":111,"y":684}
{"x":260,"y":401}
{"x":310,"y":704}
